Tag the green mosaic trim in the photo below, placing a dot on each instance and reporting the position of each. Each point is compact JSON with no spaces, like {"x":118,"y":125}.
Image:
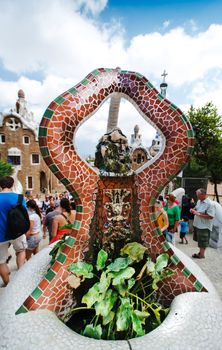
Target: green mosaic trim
{"x":61,"y":258}
{"x":183,"y":166}
{"x":160,"y":188}
{"x":186,"y":272}
{"x":21,"y":310}
{"x":65,"y":181}
{"x":138,"y":75}
{"x":42,"y":131}
{"x":59,"y":100}
{"x":152,"y":201}
{"x":149,"y":85}
{"x":171,"y":177}
{"x":165,"y":246}
{"x":36,"y":293}
{"x":190,"y":133}
{"x":77,"y":224}
{"x":152,"y":216}
{"x":85,"y":82}
{"x":73,"y":91}
{"x":190,"y":151}
{"x":70,"y":241}
{"x":79,"y":209}
{"x":48,"y":113}
{"x":183,"y":119}
{"x":124,"y":71}
{"x":95,"y":72}
{"x":198,"y":285}
{"x":173,"y":107}
{"x":50,"y":275}
{"x":160,"y":97}
{"x":108,"y":70}
{"x":175,"y":259}
{"x":157,"y":231}
{"x":44,"y":151}
{"x":53,"y":168}
{"x":75,"y":195}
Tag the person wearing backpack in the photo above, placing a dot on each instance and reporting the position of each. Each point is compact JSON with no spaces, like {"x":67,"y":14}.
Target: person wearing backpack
{"x":9,"y":200}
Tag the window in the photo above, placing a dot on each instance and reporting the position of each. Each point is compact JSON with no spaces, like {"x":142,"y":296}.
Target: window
{"x":14,"y":160}
{"x":29,"y":183}
{"x":35,"y":158}
{"x":2,"y":138}
{"x":14,"y":156}
{"x":26,"y":140}
{"x":13,"y":124}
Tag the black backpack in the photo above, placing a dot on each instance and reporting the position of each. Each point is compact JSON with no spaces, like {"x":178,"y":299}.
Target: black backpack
{"x":18,"y":221}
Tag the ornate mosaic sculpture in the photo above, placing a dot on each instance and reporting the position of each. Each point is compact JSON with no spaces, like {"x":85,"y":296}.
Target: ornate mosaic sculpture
{"x":129,"y":199}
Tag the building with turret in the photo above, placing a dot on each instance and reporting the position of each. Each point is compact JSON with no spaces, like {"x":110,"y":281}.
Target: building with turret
{"x":19,"y":146}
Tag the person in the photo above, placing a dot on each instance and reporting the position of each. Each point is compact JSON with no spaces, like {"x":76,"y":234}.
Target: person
{"x":51,"y":206}
{"x":8,"y":199}
{"x":188,"y":203}
{"x":67,"y":216}
{"x":184,"y":228}
{"x":162,"y":217}
{"x":47,"y":224}
{"x":204,"y":213}
{"x":34,"y":235}
{"x":173,"y":213}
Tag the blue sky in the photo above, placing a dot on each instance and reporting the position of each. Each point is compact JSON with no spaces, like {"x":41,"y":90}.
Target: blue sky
{"x":49,"y":46}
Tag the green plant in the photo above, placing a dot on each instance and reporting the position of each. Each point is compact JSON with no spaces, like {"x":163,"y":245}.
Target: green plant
{"x":56,"y":250}
{"x":121,"y":302}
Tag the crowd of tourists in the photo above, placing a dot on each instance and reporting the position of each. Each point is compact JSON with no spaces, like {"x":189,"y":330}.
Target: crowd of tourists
{"x":186,"y":217}
{"x":47,"y":218}
{"x":53,"y":216}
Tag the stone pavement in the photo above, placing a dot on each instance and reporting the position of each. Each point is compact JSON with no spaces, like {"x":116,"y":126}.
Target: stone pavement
{"x":211,"y":265}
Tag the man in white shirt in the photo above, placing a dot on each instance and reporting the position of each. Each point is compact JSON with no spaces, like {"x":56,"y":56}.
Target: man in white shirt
{"x":204,"y":213}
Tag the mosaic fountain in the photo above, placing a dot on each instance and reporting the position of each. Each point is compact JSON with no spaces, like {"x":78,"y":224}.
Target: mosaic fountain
{"x":45,"y":291}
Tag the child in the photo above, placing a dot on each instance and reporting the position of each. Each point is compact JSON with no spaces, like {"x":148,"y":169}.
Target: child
{"x":184,"y":228}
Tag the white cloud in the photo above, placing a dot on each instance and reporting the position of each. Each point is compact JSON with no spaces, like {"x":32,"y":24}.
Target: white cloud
{"x":94,"y":6}
{"x":166,"y":24}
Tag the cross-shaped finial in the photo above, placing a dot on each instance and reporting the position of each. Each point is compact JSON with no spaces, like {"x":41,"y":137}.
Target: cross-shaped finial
{"x":164,"y":75}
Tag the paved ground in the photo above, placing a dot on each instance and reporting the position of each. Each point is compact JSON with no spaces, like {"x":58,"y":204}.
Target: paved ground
{"x":211,"y":265}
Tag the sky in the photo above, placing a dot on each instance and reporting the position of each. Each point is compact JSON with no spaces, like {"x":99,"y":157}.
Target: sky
{"x":48,"y":46}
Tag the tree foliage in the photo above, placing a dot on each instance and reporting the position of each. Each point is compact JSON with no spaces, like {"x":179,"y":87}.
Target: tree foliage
{"x":5,"y":169}
{"x":207,"y":157}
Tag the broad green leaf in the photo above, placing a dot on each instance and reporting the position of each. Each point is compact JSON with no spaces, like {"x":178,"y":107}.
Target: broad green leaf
{"x":101,"y":259}
{"x":131,"y":283}
{"x":81,"y":268}
{"x":108,"y":318}
{"x":150,"y":266}
{"x":119,"y":277}
{"x":134,"y":250}
{"x":93,"y":332}
{"x":138,"y":319}
{"x":92,"y":296}
{"x":122,"y":288}
{"x":123,"y":315}
{"x":161,"y":262}
{"x":104,"y":282}
{"x":118,"y":264}
{"x":104,"y":306}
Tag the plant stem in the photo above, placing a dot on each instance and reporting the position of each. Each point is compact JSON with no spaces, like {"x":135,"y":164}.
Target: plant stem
{"x":142,"y":300}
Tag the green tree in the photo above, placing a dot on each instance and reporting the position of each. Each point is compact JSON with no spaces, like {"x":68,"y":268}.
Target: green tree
{"x":207,"y":157}
{"x":5,"y":168}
